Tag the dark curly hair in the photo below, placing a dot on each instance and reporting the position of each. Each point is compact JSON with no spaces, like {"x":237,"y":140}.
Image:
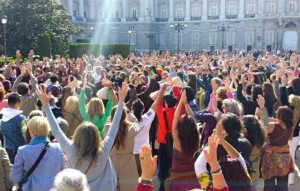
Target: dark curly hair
{"x":232,"y":125}
{"x":188,"y":135}
{"x":286,"y":115}
{"x":255,"y":132}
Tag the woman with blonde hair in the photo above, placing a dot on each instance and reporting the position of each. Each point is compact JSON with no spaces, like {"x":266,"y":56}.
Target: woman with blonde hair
{"x":72,"y":115}
{"x":51,"y":163}
{"x":95,"y":111}
{"x":86,"y":151}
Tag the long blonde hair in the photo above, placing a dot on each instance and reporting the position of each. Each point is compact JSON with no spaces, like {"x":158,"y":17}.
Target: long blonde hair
{"x":87,"y":140}
{"x":95,"y":108}
{"x":72,"y":105}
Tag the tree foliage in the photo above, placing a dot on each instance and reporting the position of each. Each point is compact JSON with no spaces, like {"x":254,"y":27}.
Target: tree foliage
{"x":29,"y":18}
{"x":44,"y":45}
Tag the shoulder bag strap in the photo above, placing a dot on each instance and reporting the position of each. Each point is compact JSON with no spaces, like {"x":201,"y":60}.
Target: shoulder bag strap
{"x":24,"y":179}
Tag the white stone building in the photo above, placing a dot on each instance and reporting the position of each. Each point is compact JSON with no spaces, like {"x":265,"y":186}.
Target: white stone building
{"x":211,"y":24}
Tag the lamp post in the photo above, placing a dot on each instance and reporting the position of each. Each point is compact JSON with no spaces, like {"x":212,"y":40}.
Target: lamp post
{"x":129,"y":38}
{"x":178,"y":27}
{"x":4,"y":22}
{"x":223,"y":29}
{"x":149,"y":36}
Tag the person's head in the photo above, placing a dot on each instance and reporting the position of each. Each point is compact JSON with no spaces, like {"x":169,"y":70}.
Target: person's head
{"x":72,"y":104}
{"x":87,"y":139}
{"x":232,"y":106}
{"x":14,"y":101}
{"x":138,"y":109}
{"x":221,"y":93}
{"x":169,"y":100}
{"x":2,"y":78}
{"x":192,"y":82}
{"x":2,"y":94}
{"x":256,"y":90}
{"x":70,"y":180}
{"x":188,"y":134}
{"x":285,"y":115}
{"x":95,"y":107}
{"x":235,"y":175}
{"x":38,"y":126}
{"x":255,"y":132}
{"x":215,"y":83}
{"x":35,"y":113}
{"x":268,"y":90}
{"x":7,"y":85}
{"x":55,"y":90}
{"x":296,"y":86}
{"x":53,"y":78}
{"x":63,"y":124}
{"x":190,"y":95}
{"x":122,"y":131}
{"x":232,"y":125}
{"x":23,"y":88}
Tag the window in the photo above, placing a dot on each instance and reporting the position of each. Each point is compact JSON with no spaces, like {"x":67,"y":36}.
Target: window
{"x":269,"y":36}
{"x":117,"y":14}
{"x":232,"y":8}
{"x":195,"y":38}
{"x":213,"y":11}
{"x":249,"y":37}
{"x":179,"y":11}
{"x":162,"y":40}
{"x":75,"y":13}
{"x":196,"y":10}
{"x":84,"y":15}
{"x":271,"y":7}
{"x":163,"y":13}
{"x":134,"y":14}
{"x":230,"y":37}
{"x":292,"y":6}
{"x":251,"y":7}
{"x":213,"y":38}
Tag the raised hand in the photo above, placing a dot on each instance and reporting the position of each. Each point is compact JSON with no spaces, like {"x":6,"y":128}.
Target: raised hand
{"x":43,"y":96}
{"x":260,"y":101}
{"x":210,"y":152}
{"x":106,"y":83}
{"x":123,"y":92}
{"x":284,"y":80}
{"x":148,"y":163}
{"x":183,"y":97}
{"x":85,"y":81}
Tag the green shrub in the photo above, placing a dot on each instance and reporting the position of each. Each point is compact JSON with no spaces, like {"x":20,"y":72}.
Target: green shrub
{"x":78,"y":49}
{"x":44,"y":45}
{"x":82,"y":40}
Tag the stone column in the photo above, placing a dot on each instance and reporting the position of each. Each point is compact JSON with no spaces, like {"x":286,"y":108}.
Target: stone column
{"x":171,"y":10}
{"x":81,"y":8}
{"x":70,"y":6}
{"x":204,"y":10}
{"x":241,"y":9}
{"x":187,"y":10}
{"x":223,"y":8}
{"x":124,"y":9}
{"x":92,"y":5}
{"x":142,"y":10}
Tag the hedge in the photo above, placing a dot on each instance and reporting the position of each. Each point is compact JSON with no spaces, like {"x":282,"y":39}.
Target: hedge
{"x":78,"y":49}
{"x":44,"y":45}
{"x":82,"y":40}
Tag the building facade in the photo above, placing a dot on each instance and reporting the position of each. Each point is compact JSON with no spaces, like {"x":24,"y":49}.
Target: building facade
{"x":210,"y":24}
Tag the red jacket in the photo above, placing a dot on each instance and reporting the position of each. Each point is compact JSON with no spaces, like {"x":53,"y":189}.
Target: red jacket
{"x":161,"y":130}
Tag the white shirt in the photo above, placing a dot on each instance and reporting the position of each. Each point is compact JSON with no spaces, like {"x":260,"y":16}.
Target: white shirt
{"x":142,"y":138}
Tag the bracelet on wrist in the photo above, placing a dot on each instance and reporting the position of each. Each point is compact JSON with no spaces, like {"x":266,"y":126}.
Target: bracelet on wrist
{"x":147,"y":182}
{"x":219,"y":171}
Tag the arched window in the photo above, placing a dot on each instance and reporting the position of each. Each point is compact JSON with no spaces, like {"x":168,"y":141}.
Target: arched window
{"x":292,"y":6}
{"x":213,"y":9}
{"x":196,"y":10}
{"x":271,"y":6}
{"x":179,"y":11}
{"x":232,"y":8}
{"x":251,"y":7}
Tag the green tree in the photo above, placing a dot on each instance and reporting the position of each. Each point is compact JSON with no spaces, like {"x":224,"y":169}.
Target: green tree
{"x":44,"y":45}
{"x":29,"y":18}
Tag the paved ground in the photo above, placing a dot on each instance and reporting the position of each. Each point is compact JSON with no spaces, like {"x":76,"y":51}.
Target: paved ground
{"x":295,"y":187}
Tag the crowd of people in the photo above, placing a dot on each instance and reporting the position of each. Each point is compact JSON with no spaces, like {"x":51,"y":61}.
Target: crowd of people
{"x":200,"y":120}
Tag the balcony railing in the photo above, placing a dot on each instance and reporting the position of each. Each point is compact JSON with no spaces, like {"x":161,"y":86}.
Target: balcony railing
{"x":161,"y":19}
{"x":231,"y":16}
{"x":131,"y":19}
{"x":195,"y":18}
{"x":213,"y":17}
{"x":179,"y":19}
{"x":249,"y":15}
{"x":115,"y":20}
{"x":78,"y":19}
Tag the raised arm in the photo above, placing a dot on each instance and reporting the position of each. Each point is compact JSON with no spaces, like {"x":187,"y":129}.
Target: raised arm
{"x":82,"y":108}
{"x":177,"y":114}
{"x":65,"y":143}
{"x":112,"y":132}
